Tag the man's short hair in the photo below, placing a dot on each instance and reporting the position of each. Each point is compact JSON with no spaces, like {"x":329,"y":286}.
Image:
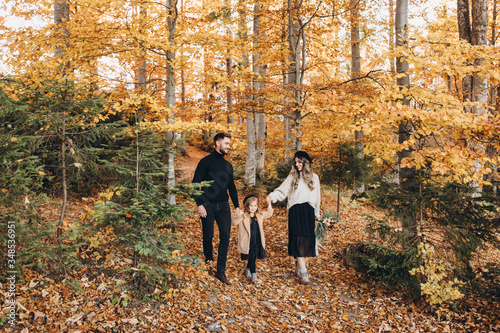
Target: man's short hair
{"x":221,"y":136}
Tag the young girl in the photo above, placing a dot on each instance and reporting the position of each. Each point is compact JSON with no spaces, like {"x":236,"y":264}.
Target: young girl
{"x":251,"y":240}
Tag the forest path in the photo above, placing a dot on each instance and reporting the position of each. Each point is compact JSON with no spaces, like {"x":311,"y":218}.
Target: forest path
{"x":187,"y":162}
{"x":337,"y":299}
{"x":97,"y":297}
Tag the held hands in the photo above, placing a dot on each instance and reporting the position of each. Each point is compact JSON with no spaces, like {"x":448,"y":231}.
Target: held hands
{"x":269,"y":201}
{"x":239,"y":212}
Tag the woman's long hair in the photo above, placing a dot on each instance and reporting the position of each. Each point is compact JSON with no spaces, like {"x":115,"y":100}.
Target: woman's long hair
{"x":306,"y":172}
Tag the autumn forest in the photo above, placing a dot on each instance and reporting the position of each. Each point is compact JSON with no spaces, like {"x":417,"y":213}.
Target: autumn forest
{"x":106,"y":107}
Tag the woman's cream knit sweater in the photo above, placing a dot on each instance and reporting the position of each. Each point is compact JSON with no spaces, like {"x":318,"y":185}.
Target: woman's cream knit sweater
{"x":301,"y":195}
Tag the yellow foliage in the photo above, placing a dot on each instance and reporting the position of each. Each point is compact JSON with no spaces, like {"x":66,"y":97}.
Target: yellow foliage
{"x":108,"y":41}
{"x":437,"y":289}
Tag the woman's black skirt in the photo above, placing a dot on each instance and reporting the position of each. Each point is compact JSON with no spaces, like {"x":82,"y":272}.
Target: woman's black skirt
{"x":301,"y":225}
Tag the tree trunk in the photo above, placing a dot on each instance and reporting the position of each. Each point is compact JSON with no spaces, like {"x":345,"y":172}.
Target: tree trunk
{"x":64,"y":183}
{"x":254,"y":116}
{"x":142,"y":68}
{"x":359,"y":186}
{"x":492,"y":43}
{"x":260,"y":120}
{"x":229,"y":91}
{"x":463,"y":18}
{"x":61,"y":16}
{"x":207,"y":91}
{"x":493,"y":24}
{"x":406,"y":175}
{"x":141,"y":86}
{"x":479,"y":84}
{"x":250,"y":166}
{"x":355,"y":40}
{"x":464,"y":33}
{"x":479,"y":37}
{"x":170,"y":93}
{"x":491,"y":150}
{"x":296,"y":44}
{"x":261,"y":130}
{"x":229,"y":65}
{"x":288,"y":139}
{"x":288,"y":148}
{"x":391,"y":33}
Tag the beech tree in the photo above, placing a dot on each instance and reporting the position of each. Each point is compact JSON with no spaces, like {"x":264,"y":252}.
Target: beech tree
{"x":256,"y":123}
{"x":171,"y":8}
{"x":464,"y":30}
{"x":296,"y":38}
{"x":359,"y":186}
{"x":474,"y":86}
{"x":61,"y":17}
{"x":300,"y":51}
{"x":405,"y":128}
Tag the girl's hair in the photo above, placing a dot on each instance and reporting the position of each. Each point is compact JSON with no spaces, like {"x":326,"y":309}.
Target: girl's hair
{"x":307,"y":173}
{"x":248,"y":201}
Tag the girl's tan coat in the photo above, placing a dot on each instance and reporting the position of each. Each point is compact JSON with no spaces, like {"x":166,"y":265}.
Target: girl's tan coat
{"x":243,"y":222}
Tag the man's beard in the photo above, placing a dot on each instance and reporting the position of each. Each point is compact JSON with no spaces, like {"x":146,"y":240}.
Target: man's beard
{"x":222,"y":151}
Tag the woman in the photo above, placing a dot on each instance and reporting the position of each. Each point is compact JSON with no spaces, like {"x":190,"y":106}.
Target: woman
{"x":302,"y":189}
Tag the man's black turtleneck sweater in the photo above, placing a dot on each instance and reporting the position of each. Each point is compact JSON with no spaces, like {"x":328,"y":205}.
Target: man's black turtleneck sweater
{"x":215,"y":167}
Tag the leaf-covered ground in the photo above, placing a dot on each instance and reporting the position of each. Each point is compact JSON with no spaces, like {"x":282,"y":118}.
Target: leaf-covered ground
{"x":337,"y":300}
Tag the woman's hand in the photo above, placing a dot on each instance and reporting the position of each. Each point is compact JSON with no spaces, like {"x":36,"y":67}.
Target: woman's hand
{"x":269,"y":200}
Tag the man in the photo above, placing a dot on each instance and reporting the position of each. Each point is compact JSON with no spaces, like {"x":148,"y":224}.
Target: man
{"x":213,"y":204}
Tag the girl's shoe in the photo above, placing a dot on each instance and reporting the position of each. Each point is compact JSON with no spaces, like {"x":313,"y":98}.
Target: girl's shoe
{"x":247,"y":273}
{"x":304,"y":276}
{"x":254,"y":277}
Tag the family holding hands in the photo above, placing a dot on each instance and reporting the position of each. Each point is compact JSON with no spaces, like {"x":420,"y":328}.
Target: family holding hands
{"x":301,"y":188}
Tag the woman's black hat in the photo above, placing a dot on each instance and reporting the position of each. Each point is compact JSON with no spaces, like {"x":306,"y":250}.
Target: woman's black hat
{"x":248,"y":197}
{"x":303,"y":154}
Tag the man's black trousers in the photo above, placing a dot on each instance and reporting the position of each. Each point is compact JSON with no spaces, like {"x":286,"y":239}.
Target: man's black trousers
{"x":221,"y":213}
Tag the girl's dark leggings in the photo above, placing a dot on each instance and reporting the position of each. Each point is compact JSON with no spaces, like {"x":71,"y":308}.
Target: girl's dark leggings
{"x":251,"y":265}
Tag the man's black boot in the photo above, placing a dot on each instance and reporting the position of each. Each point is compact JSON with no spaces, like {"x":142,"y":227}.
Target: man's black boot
{"x":222,"y":277}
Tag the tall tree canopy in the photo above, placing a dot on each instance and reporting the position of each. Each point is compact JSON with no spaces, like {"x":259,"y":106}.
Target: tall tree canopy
{"x":212,"y":65}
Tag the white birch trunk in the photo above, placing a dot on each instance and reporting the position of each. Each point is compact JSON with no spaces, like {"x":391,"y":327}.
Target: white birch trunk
{"x":479,"y":36}
{"x":406,"y":175}
{"x":359,"y":186}
{"x":251,"y":163}
{"x":250,"y":157}
{"x":170,"y":94}
{"x":391,"y":33}
{"x":260,"y":120}
{"x":261,"y":130}
{"x":296,"y":44}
